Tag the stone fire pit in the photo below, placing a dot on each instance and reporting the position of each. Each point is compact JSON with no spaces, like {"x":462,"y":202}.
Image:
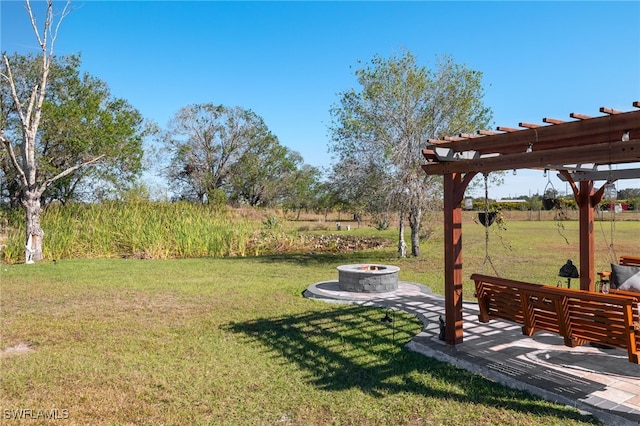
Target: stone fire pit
{"x":364,"y":278}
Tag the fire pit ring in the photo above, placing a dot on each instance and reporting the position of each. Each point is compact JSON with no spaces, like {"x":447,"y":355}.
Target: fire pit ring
{"x":368,"y":278}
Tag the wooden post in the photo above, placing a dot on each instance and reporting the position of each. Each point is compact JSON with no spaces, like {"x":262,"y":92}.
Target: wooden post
{"x":454,"y":186}
{"x":587,"y":201}
{"x":587,"y":235}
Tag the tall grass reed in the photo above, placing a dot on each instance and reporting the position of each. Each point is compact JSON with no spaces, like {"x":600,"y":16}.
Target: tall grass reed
{"x":139,"y":229}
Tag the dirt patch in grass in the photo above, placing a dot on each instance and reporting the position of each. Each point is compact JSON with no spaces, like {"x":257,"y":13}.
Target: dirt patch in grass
{"x":20,"y":348}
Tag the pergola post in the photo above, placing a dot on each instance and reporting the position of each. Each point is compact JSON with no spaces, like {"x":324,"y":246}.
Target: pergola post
{"x":454,"y":187}
{"x":587,"y":235}
{"x":587,"y":200}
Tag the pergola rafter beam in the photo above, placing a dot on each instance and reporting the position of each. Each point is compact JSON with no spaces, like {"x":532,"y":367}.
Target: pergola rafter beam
{"x":580,"y":116}
{"x":529,"y":125}
{"x":596,"y":130}
{"x":488,"y":132}
{"x":552,"y":120}
{"x":606,"y":175}
{"x":610,"y":111}
{"x":603,"y":153}
{"x":507,"y":129}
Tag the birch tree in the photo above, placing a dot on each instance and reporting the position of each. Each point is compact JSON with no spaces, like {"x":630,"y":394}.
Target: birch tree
{"x":80,"y":121}
{"x":46,"y":140}
{"x":388,"y":120}
{"x":22,"y":152}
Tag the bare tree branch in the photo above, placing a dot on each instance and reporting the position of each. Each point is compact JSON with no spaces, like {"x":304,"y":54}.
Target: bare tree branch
{"x":34,"y":24}
{"x":65,"y":11}
{"x":14,"y":91}
{"x":68,"y":171}
{"x":9,"y":147}
{"x":46,"y":66}
{"x":6,"y":142}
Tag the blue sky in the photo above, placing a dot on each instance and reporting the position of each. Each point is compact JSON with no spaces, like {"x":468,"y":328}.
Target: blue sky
{"x":287,"y":61}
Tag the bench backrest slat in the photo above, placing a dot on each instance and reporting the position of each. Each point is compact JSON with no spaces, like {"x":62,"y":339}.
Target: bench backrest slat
{"x":629,"y":260}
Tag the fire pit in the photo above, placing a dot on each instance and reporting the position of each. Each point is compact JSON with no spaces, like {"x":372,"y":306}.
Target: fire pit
{"x":365,"y":278}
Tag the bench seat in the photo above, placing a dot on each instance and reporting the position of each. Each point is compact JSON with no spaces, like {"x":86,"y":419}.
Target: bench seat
{"x":578,"y":316}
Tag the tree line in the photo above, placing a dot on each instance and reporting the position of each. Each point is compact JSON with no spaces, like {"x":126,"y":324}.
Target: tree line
{"x":66,"y":138}
{"x":216,"y":153}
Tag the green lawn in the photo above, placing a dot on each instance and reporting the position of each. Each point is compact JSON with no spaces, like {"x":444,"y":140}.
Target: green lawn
{"x":232,"y":342}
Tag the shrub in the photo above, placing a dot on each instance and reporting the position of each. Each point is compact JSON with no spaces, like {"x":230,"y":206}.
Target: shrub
{"x":271,"y":222}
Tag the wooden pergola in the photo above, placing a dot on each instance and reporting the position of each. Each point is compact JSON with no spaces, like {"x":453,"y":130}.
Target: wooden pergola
{"x":576,"y":149}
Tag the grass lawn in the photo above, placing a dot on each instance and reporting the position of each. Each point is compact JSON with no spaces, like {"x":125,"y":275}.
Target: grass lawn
{"x":232,"y":342}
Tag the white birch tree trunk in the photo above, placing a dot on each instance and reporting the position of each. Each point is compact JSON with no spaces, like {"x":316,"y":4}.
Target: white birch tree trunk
{"x":35,"y":234}
{"x":415,"y":216}
{"x":30,"y":113}
{"x":402,"y":246}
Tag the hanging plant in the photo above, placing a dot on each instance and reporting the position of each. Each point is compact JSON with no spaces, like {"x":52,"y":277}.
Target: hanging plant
{"x":550,"y":199}
{"x":551,"y":203}
{"x":487,"y":218}
{"x":490,"y":217}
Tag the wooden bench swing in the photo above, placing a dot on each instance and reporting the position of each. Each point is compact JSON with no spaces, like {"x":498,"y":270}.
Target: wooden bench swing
{"x":579,"y":316}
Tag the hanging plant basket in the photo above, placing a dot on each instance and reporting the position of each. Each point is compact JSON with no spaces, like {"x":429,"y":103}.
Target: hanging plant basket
{"x":487,"y":219}
{"x":550,"y":203}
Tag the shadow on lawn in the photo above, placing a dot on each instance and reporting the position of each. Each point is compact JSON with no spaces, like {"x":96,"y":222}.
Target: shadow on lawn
{"x":352,"y":348}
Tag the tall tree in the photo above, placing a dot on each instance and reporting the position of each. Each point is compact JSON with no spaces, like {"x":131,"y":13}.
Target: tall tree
{"x":205,"y":141}
{"x":259,"y":176}
{"x":41,"y":155}
{"x":80,"y":120}
{"x":354,"y":182}
{"x":22,"y":152}
{"x":302,"y":188}
{"x":385,"y":124}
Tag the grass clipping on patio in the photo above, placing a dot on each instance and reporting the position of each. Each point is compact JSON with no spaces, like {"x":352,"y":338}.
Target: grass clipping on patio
{"x":227,"y":342}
